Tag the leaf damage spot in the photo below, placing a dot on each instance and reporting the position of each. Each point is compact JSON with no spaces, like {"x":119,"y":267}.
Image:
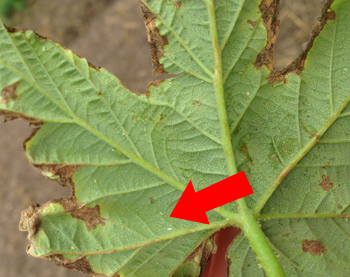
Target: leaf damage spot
{"x":91,"y":216}
{"x":155,"y":39}
{"x":9,"y":92}
{"x":326,"y":184}
{"x":245,"y":151}
{"x":155,"y":83}
{"x":196,"y":102}
{"x":89,"y":64}
{"x":202,"y":253}
{"x":209,"y":248}
{"x":30,"y":221}
{"x":12,"y":116}
{"x":251,"y":22}
{"x":61,"y":173}
{"x":269,"y":9}
{"x":15,"y":30}
{"x":177,"y":4}
{"x":275,"y":158}
{"x":81,"y":264}
{"x":330,"y":15}
{"x":314,"y":247}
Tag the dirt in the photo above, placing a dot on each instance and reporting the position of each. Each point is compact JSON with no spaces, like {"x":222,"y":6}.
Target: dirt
{"x":109,"y":33}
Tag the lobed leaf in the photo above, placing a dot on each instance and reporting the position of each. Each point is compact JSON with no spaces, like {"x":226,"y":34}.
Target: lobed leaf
{"x":128,"y":157}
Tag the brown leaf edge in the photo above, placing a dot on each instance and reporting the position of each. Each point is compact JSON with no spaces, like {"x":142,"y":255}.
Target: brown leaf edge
{"x":63,"y":174}
{"x":15,"y":30}
{"x":155,"y":40}
{"x":270,"y":11}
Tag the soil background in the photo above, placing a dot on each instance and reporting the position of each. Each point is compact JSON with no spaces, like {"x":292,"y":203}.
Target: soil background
{"x":110,"y":34}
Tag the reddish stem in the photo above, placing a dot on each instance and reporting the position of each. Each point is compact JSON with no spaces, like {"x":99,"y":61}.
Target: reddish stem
{"x":217,"y":267}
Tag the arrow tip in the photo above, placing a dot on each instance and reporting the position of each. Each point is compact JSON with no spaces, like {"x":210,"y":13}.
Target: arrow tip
{"x":188,"y":208}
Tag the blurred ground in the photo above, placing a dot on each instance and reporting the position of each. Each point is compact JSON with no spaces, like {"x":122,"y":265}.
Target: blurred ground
{"x":109,"y":33}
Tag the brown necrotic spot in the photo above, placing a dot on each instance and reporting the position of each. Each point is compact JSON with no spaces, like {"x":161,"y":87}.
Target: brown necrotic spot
{"x":253,"y":23}
{"x":313,"y":246}
{"x":177,"y":4}
{"x":155,"y":39}
{"x":153,"y":84}
{"x":326,"y":184}
{"x":61,"y":173}
{"x":12,"y":116}
{"x":91,"y":216}
{"x":81,"y":264}
{"x":9,"y":92}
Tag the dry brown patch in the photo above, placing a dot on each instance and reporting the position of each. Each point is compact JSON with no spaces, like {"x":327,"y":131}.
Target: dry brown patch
{"x":29,"y":220}
{"x":153,"y":84}
{"x":269,"y":10}
{"x":9,"y":92}
{"x":253,"y":23}
{"x":326,"y":184}
{"x":63,"y":172}
{"x":314,"y":247}
{"x":81,"y":264}
{"x":155,"y":39}
{"x":91,"y":216}
{"x":13,"y":29}
{"x":177,"y":4}
{"x":12,"y":116}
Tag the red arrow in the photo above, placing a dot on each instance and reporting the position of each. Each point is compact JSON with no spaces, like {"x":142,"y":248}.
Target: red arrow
{"x":193,"y":205}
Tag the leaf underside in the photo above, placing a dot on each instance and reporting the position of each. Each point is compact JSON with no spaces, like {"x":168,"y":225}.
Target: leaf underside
{"x":128,"y":157}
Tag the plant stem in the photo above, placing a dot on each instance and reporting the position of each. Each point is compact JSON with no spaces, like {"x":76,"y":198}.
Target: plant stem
{"x":219,"y":94}
{"x":260,"y":245}
{"x":301,"y":215}
{"x":249,"y":224}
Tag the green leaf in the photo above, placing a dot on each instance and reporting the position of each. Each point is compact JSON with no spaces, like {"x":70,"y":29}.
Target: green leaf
{"x":128,"y":157}
{"x":306,"y":226}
